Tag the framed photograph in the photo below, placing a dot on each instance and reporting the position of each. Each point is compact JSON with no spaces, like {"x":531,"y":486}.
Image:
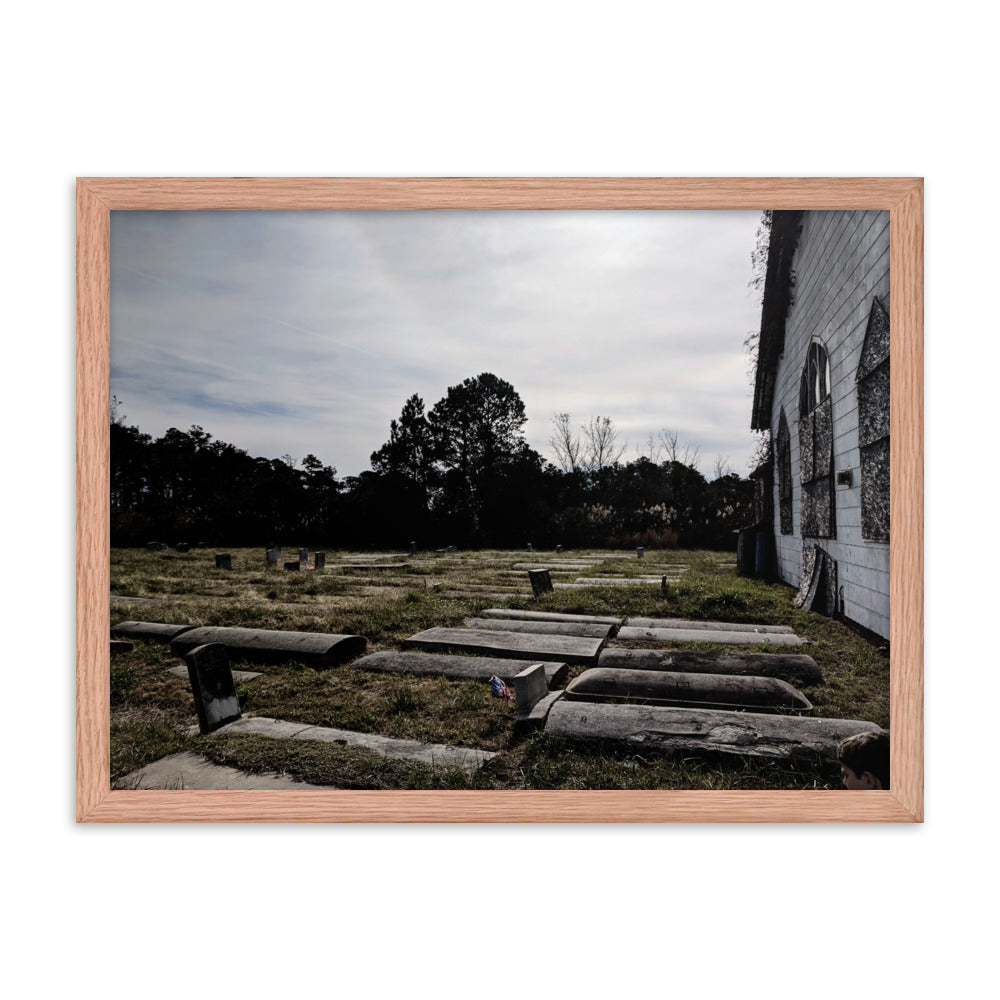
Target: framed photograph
{"x":558,"y":457}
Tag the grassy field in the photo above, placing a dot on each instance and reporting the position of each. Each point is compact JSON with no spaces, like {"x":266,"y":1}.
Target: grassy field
{"x":151,"y":708}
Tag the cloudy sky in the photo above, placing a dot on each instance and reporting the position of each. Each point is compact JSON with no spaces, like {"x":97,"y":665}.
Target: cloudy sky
{"x":305,"y":332}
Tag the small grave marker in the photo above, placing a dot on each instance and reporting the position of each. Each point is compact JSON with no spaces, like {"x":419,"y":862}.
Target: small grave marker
{"x":452,"y":548}
{"x":303,"y":556}
{"x":183,"y":547}
{"x":273,"y":555}
{"x":319,"y":560}
{"x":212,"y":685}
{"x":413,"y":548}
{"x":640,"y":552}
{"x":558,"y":548}
{"x":530,"y":686}
{"x":224,"y":561}
{"x":541,"y":582}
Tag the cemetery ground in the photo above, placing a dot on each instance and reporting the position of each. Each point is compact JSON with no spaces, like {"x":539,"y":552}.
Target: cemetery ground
{"x":387,"y":598}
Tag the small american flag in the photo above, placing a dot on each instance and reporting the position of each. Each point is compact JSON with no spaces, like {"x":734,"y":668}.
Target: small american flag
{"x":499,"y":690}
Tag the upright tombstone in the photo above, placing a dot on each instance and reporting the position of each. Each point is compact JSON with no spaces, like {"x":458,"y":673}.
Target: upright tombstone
{"x":559,"y":548}
{"x":183,"y":547}
{"x":319,"y":560}
{"x":292,"y":566}
{"x":541,"y":582}
{"x":223,"y":561}
{"x":273,"y":555}
{"x":640,"y":552}
{"x":452,"y":548}
{"x":531,"y":548}
{"x":303,"y":556}
{"x":413,"y":548}
{"x":212,"y":685}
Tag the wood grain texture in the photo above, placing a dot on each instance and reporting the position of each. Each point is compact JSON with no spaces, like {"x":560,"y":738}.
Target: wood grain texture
{"x":97,"y":197}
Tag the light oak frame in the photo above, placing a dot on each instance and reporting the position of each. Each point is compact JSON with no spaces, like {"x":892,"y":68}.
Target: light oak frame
{"x":98,"y":197}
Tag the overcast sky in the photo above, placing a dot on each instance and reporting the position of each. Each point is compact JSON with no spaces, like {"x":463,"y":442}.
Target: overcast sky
{"x":298,"y":332}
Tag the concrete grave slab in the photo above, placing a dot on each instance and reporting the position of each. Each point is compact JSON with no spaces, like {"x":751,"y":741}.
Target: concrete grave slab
{"x":660,"y":687}
{"x":716,"y":626}
{"x":630,"y":634}
{"x":148,"y":631}
{"x":238,"y":675}
{"x":692,"y":730}
{"x":430,"y":754}
{"x":587,"y":629}
{"x":788,"y":667}
{"x":515,"y":645}
{"x":316,"y":649}
{"x":549,"y":616}
{"x":480,"y":668}
{"x":192,"y":772}
{"x":620,"y":580}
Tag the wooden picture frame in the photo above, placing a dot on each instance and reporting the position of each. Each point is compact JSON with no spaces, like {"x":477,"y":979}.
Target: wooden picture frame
{"x":98,"y":197}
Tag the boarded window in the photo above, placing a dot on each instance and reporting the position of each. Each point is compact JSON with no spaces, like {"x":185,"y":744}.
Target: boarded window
{"x":873,"y":425}
{"x":784,"y":449}
{"x":816,"y":445}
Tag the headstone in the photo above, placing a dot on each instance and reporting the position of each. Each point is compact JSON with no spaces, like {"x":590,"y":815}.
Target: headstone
{"x":117,"y":646}
{"x":452,"y":548}
{"x":664,"y":589}
{"x":480,"y":668}
{"x":640,"y":552}
{"x":292,"y":565}
{"x":512,"y":645}
{"x":183,"y":547}
{"x":152,"y":546}
{"x":413,"y":548}
{"x":273,"y":555}
{"x":558,"y":548}
{"x":224,"y":561}
{"x":303,"y":556}
{"x":530,"y":548}
{"x":319,"y":560}
{"x":212,"y":685}
{"x":530,"y":686}
{"x":541,"y":582}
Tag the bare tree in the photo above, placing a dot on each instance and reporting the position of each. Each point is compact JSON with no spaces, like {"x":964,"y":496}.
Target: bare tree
{"x":603,"y":448}
{"x":653,"y":450}
{"x":565,"y":443}
{"x":676,"y":452}
{"x":722,"y":466}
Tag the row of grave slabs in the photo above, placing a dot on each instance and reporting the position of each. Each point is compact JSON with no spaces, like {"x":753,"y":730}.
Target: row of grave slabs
{"x":740,"y":702}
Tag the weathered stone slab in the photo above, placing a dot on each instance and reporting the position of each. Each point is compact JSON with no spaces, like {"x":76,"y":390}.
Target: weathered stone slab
{"x":541,"y":581}
{"x":627,"y":633}
{"x":430,"y":754}
{"x":557,"y":566}
{"x":535,"y":717}
{"x":374,"y":566}
{"x":716,"y":626}
{"x":793,"y":666}
{"x":148,"y":631}
{"x":238,"y":675}
{"x":548,"y":616}
{"x":223,"y":561}
{"x":183,"y":547}
{"x":516,"y":645}
{"x":212,"y":686}
{"x":693,"y":730}
{"x":479,"y":668}
{"x":660,"y":687}
{"x":621,"y":581}
{"x":192,"y":772}
{"x":316,"y":649}
{"x":587,"y":629}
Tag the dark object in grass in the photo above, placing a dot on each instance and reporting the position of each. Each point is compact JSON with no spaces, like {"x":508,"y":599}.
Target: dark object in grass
{"x":661,"y":687}
{"x":256,"y":645}
{"x":148,"y":631}
{"x":480,"y":668}
{"x":514,"y":645}
{"x":292,"y":566}
{"x":541,"y":581}
{"x":212,"y":686}
{"x":117,"y":646}
{"x":223,"y":560}
{"x":693,"y":730}
{"x":792,"y":667}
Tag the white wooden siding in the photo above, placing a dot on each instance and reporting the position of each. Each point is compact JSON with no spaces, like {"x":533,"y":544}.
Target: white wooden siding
{"x":841,"y":263}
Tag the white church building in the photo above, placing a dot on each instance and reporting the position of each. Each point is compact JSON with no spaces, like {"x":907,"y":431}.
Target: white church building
{"x":822,"y":390}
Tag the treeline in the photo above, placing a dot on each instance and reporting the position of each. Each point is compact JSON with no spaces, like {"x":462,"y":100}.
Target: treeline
{"x":460,"y":473}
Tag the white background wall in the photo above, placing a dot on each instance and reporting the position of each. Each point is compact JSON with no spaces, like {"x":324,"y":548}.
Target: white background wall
{"x":518,"y":88}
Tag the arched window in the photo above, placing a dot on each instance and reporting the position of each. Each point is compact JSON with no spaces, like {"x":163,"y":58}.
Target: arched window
{"x":784,"y":455}
{"x":873,"y":425}
{"x":816,"y":445}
